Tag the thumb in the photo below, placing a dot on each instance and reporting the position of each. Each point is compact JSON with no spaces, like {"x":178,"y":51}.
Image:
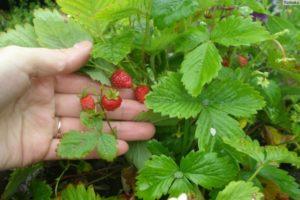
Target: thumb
{"x":40,"y":62}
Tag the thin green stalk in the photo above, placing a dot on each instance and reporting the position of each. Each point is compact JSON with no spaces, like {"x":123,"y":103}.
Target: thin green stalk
{"x":256,"y":172}
{"x":59,"y":178}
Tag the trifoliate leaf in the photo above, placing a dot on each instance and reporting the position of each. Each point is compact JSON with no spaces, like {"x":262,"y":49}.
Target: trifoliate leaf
{"x":79,"y":192}
{"x":213,"y":124}
{"x":167,"y":12}
{"x":233,"y":97}
{"x":240,"y":190}
{"x":114,"y":49}
{"x":91,"y":120}
{"x":138,"y":153}
{"x":40,"y":190}
{"x":75,"y":144}
{"x":199,"y":67}
{"x":285,"y":182}
{"x":169,"y":97}
{"x":156,"y":177}
{"x":236,"y":31}
{"x":54,"y":31}
{"x":17,"y":177}
{"x":84,"y":11}
{"x":281,"y":154}
{"x":23,"y":36}
{"x":107,"y":147}
{"x":207,"y":169}
{"x":247,"y":146}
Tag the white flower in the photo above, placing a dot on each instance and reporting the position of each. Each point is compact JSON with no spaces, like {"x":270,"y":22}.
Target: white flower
{"x":213,"y":131}
{"x":183,"y":196}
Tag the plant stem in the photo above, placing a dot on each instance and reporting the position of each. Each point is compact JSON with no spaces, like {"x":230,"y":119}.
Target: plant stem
{"x":256,"y":172}
{"x":59,"y":178}
{"x":281,"y":48}
{"x":105,"y":115}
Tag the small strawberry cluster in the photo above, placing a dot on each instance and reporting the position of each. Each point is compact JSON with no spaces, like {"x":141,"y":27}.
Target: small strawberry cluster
{"x":111,"y":99}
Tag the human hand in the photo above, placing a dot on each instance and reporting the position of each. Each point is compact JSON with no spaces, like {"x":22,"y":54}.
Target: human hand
{"x":37,"y":88}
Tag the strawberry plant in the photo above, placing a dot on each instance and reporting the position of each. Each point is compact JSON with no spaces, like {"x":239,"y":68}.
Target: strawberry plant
{"x":223,"y":93}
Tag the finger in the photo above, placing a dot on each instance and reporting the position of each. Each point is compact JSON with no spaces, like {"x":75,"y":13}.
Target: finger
{"x":75,"y":84}
{"x":45,"y":62}
{"x":52,"y":155}
{"x":68,"y":105}
{"x":128,"y":131}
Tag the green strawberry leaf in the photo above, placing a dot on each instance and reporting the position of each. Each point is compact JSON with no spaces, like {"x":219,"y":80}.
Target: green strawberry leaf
{"x":180,"y":186}
{"x":236,"y":31}
{"x":156,"y":177}
{"x":114,"y":49}
{"x":167,"y":12}
{"x":280,"y":154}
{"x":138,"y":153}
{"x":54,"y":31}
{"x":213,"y":124}
{"x":208,"y":170}
{"x":199,"y":67}
{"x":97,"y":75}
{"x":169,"y":97}
{"x":285,"y":182}
{"x":107,"y":147}
{"x":40,"y":190}
{"x":233,"y":97}
{"x":17,"y":177}
{"x":79,"y":192}
{"x":247,"y":146}
{"x":191,"y":39}
{"x":91,"y":120}
{"x":75,"y":144}
{"x":23,"y":36}
{"x":263,"y":155}
{"x":84,"y":11}
{"x":240,"y":190}
{"x":157,"y":148}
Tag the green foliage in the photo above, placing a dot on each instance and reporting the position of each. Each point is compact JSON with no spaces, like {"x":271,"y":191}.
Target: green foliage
{"x":286,"y":183}
{"x":75,"y":144}
{"x":180,"y":49}
{"x":54,"y":31}
{"x":161,"y":175}
{"x":199,"y":67}
{"x":22,"y":36}
{"x":17,"y":177}
{"x":240,"y":190}
{"x":264,"y":155}
{"x":107,"y":146}
{"x":114,"y":49}
{"x":40,"y":190}
{"x":169,"y":97}
{"x":236,"y":31}
{"x":79,"y":192}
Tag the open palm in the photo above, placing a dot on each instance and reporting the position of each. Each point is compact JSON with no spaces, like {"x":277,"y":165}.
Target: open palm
{"x":37,"y":90}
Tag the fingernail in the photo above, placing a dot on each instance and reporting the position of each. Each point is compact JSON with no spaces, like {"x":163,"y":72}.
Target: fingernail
{"x":83,"y":45}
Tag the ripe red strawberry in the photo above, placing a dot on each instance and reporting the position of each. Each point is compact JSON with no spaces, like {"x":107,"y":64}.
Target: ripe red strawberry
{"x":120,"y":79}
{"x":87,"y":102}
{"x":141,"y":92}
{"x":243,"y":61}
{"x":225,"y":62}
{"x":111,"y":100}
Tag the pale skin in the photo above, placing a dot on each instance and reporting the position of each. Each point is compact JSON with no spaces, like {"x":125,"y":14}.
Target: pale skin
{"x":38,"y":87}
